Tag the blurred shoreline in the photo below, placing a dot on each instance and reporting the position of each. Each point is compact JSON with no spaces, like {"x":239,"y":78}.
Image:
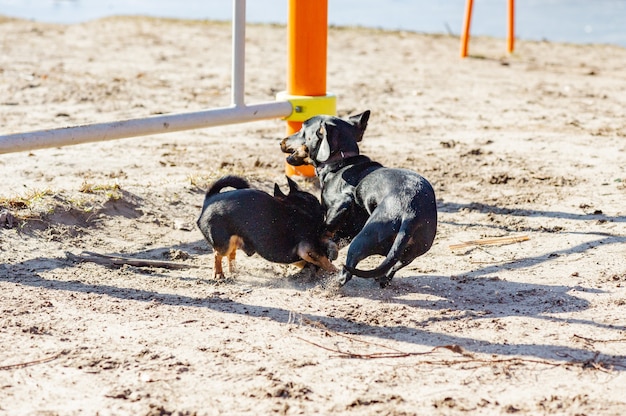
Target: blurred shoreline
{"x":571,"y":21}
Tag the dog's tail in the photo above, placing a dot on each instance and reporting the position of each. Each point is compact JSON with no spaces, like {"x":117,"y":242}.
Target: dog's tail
{"x":230,"y":181}
{"x":399,"y":244}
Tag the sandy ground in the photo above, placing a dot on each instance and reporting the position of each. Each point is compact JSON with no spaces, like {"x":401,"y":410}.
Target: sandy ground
{"x":531,"y":144}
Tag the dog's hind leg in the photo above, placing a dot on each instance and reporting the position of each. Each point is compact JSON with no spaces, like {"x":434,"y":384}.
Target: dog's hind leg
{"x":234,"y":244}
{"x":361,"y":247}
{"x":410,"y":253}
{"x":218,"y":273}
{"x":385,"y":280}
{"x":231,"y":261}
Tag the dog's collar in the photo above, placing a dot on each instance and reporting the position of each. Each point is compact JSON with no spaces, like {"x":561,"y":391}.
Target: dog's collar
{"x":337,"y":161}
{"x":340,"y":156}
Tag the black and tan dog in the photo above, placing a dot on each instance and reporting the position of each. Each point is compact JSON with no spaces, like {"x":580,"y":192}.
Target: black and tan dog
{"x":281,"y":229}
{"x":391,"y":212}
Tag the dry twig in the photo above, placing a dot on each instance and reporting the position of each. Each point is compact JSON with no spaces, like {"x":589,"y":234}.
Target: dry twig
{"x":111,"y":260}
{"x":469,"y":358}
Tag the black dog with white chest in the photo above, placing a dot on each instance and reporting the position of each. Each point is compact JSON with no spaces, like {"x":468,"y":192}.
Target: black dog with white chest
{"x":386,"y":211}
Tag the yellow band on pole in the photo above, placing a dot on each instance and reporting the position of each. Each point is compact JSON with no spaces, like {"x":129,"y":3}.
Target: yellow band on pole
{"x":305,"y":107}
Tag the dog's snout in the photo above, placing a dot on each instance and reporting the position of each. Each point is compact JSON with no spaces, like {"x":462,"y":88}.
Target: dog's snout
{"x":283,"y":144}
{"x":288,"y":144}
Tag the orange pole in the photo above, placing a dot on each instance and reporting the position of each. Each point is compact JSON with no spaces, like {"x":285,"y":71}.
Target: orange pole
{"x":307,"y":29}
{"x":466,"y":27}
{"x":511,"y":34}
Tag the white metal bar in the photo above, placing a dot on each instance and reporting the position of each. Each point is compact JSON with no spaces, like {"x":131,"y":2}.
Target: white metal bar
{"x":238,"y":79}
{"x":239,"y":112}
{"x":138,"y":127}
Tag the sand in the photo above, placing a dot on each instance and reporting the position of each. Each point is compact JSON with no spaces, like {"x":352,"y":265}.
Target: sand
{"x":524,"y":145}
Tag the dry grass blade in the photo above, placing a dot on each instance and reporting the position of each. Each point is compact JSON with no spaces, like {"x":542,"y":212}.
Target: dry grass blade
{"x":34,"y":362}
{"x":598,"y":340}
{"x":394,"y":354}
{"x":490,"y":241}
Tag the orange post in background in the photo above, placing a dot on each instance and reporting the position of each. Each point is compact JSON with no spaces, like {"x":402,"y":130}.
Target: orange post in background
{"x":469,"y":4}
{"x":307,"y":29}
{"x":465,"y":35}
{"x":510,"y":39}
{"x":307,"y":43}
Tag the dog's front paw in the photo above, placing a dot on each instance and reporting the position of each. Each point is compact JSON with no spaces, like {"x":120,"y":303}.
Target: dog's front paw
{"x":344,"y":277}
{"x":332,"y":252}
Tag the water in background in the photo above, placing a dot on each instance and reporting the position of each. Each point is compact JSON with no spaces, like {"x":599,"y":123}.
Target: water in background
{"x":576,"y":21}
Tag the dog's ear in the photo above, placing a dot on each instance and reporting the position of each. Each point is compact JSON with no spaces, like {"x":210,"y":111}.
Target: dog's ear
{"x":278,"y":193}
{"x":360,"y":122}
{"x":293,"y":186}
{"x":323,"y":152}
